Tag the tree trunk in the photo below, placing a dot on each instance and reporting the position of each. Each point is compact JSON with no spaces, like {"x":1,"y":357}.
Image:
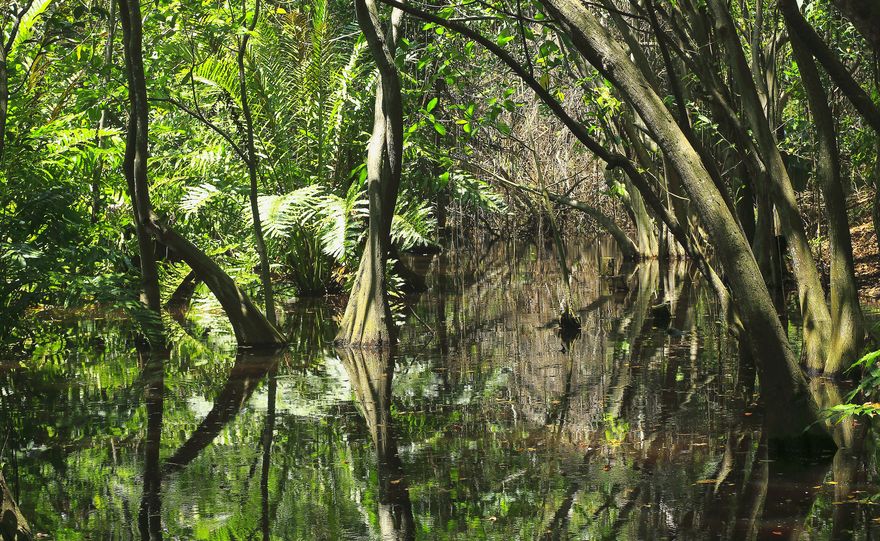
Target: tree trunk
{"x":250,"y":325}
{"x":4,"y":99}
{"x":367,"y":321}
{"x":781,"y":378}
{"x":811,"y":296}
{"x":134,"y":164}
{"x":252,"y":167}
{"x":13,"y":525}
{"x":846,"y":315}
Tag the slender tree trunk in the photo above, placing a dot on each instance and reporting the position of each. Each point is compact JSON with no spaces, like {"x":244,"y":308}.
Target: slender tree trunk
{"x":4,"y":99}
{"x":645,"y":233}
{"x":102,"y":122}
{"x":136,"y":153}
{"x":367,"y":320}
{"x":781,"y":379}
{"x":846,"y":315}
{"x":253,"y":167}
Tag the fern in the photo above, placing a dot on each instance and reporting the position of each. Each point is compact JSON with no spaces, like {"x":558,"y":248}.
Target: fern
{"x":26,"y":26}
{"x":413,"y":226}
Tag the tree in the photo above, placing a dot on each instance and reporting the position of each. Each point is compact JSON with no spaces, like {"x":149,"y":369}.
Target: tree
{"x":367,"y":320}
{"x":250,"y":325}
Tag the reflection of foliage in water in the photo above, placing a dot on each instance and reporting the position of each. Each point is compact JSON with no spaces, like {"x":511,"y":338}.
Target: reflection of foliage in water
{"x":501,"y":435}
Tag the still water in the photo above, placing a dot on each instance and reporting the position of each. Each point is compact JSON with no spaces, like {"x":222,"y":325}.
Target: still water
{"x":483,"y":424}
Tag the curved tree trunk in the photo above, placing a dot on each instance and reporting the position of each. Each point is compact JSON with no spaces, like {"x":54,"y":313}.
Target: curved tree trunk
{"x":367,"y":321}
{"x":250,"y":325}
{"x":781,"y":378}
{"x":846,"y":315}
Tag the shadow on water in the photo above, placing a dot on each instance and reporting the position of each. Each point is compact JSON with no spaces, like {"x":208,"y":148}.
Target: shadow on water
{"x":486,"y":422}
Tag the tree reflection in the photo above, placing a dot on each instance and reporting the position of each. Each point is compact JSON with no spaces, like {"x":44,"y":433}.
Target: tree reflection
{"x":371,"y":373}
{"x":150,"y":512}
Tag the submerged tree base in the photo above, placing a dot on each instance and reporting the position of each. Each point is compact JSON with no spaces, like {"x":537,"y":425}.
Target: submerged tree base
{"x":13,"y":526}
{"x":250,"y":325}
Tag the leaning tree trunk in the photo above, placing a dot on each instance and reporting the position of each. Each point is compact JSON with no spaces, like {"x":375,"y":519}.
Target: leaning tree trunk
{"x":811,"y":296}
{"x":846,"y":316}
{"x":249,"y":324}
{"x":367,"y":320}
{"x":13,"y":525}
{"x":781,"y":379}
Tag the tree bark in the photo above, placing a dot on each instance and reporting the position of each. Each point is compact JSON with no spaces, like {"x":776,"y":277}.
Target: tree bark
{"x":846,"y":315}
{"x":13,"y":525}
{"x":134,"y":164}
{"x":367,"y":321}
{"x":251,"y":326}
{"x":781,"y":378}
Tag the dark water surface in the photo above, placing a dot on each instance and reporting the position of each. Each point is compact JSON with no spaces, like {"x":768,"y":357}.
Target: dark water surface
{"x":483,"y":424}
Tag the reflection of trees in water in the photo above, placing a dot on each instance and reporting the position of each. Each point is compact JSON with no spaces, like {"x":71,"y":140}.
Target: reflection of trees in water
{"x":695,"y":457}
{"x":688,"y":459}
{"x":371,"y":373}
{"x":249,"y":370}
{"x":150,"y":513}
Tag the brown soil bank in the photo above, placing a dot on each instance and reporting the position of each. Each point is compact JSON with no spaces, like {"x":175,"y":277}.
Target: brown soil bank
{"x":867,"y":261}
